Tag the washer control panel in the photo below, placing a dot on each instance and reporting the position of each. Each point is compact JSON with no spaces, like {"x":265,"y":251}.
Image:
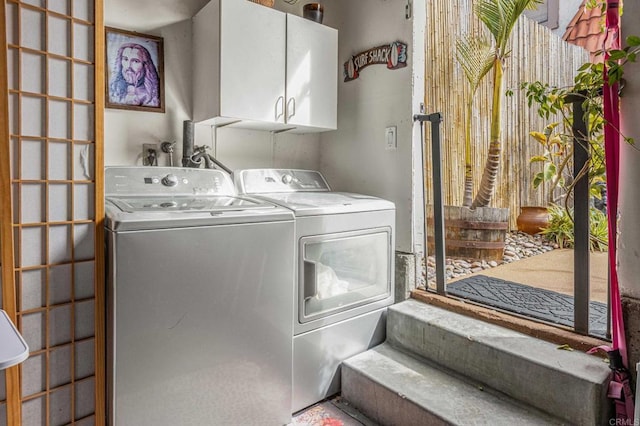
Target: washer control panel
{"x":166,"y":181}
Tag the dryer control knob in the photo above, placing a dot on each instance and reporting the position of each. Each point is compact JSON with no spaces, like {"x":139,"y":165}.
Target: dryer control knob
{"x":170,"y":180}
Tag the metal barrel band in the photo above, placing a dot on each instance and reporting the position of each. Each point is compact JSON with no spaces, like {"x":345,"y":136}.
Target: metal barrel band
{"x":476,"y":244}
{"x":468,"y":224}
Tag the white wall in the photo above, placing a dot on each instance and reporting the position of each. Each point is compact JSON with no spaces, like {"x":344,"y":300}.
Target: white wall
{"x":567,"y":10}
{"x":246,"y":149}
{"x":629,"y":206}
{"x":354,"y":157}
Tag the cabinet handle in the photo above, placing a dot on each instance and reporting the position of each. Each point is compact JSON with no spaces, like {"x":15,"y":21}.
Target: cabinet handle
{"x":292,"y":102}
{"x":279,"y":107}
{"x":310,"y":288}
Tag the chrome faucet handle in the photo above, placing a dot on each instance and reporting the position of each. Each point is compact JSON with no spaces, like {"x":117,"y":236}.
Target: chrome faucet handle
{"x":168,"y":147}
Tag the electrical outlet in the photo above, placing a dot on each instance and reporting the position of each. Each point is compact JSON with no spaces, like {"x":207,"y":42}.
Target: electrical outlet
{"x":150,"y":154}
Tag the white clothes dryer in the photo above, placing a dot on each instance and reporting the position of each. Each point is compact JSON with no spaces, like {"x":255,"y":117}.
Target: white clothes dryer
{"x":344,"y":247}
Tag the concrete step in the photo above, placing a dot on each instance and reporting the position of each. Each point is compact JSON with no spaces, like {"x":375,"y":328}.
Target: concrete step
{"x":567,"y":384}
{"x":391,"y":387}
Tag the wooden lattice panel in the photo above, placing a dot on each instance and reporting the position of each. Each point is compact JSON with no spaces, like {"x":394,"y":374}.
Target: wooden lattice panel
{"x":54,"y":132}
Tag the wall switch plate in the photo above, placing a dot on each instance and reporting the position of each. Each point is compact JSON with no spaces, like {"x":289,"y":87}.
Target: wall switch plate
{"x":391,"y":138}
{"x":150,"y":154}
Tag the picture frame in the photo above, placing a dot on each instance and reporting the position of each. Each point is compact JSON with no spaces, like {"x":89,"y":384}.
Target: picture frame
{"x":134,"y":71}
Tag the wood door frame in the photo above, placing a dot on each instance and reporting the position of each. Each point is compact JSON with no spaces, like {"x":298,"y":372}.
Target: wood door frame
{"x":100,"y":302}
{"x":12,"y":375}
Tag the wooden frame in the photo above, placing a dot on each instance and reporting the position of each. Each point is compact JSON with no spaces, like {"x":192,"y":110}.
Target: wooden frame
{"x":8,"y":289}
{"x":134,"y":71}
{"x":99,"y":284}
{"x":70,"y":83}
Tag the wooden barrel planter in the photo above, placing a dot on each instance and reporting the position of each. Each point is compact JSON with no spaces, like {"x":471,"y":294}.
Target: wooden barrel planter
{"x":477,"y":234}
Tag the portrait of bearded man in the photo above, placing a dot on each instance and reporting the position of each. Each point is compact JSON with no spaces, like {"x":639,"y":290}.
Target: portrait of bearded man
{"x":134,"y":78}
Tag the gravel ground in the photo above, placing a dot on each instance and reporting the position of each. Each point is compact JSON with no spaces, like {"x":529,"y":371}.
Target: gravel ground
{"x":518,"y":245}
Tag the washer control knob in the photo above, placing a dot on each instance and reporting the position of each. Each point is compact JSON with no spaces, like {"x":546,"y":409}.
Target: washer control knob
{"x":170,"y":180}
{"x":287,"y":179}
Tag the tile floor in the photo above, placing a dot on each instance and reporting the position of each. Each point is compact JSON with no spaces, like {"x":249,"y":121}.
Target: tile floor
{"x":332,"y":412}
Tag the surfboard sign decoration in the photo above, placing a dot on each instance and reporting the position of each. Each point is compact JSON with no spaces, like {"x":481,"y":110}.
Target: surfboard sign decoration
{"x":393,"y":55}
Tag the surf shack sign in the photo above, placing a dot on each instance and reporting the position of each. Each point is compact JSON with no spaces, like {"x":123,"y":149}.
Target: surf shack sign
{"x":393,"y":55}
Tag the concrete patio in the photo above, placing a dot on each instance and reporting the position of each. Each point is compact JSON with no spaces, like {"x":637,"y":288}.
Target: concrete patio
{"x":554,"y":271}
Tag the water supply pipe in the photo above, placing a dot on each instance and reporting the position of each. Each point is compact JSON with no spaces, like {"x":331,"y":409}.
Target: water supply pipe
{"x":200,"y":154}
{"x":187,"y":143}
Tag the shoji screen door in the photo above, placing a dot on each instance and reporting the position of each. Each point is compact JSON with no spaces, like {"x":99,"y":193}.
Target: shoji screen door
{"x":51,"y":163}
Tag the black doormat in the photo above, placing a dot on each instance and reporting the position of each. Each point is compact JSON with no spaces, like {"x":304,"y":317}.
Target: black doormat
{"x":533,"y":302}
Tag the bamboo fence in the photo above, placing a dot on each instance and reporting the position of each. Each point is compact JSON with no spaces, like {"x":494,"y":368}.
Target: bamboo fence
{"x":536,"y":55}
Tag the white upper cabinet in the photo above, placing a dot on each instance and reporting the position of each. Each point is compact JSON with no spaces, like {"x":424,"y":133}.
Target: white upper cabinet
{"x":238,"y":63}
{"x":252,"y":59}
{"x":256,"y":67}
{"x":312,"y":74}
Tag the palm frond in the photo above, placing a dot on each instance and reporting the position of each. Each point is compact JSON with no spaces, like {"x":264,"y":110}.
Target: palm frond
{"x":476,"y":56}
{"x":490,"y":13}
{"x":500,"y":16}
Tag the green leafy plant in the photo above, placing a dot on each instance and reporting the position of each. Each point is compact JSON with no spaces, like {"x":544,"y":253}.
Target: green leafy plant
{"x":558,"y":146}
{"x":561,"y":229}
{"x":557,"y":152}
{"x":598,"y":230}
{"x":558,"y":102}
{"x":557,"y":141}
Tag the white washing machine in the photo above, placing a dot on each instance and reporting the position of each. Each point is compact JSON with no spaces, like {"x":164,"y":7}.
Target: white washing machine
{"x":199,"y":298}
{"x":344,"y":248}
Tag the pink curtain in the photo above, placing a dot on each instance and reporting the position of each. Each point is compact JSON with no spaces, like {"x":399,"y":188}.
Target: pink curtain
{"x":612,"y":159}
{"x":619,"y":388}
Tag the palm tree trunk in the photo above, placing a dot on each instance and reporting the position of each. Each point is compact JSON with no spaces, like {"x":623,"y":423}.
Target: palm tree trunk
{"x":468,"y":167}
{"x":490,"y":172}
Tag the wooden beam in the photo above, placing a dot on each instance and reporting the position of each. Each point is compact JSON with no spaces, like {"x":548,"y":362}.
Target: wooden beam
{"x":100,"y":323}
{"x":12,"y":375}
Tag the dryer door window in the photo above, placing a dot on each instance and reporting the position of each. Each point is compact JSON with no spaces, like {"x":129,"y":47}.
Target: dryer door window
{"x":341,"y":271}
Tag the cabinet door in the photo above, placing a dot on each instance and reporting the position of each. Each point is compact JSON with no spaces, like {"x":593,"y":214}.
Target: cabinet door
{"x":312,"y":74}
{"x":252,"y":61}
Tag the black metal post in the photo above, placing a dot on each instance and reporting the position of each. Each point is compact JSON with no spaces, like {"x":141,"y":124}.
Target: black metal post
{"x":581,"y":271}
{"x":438,"y":208}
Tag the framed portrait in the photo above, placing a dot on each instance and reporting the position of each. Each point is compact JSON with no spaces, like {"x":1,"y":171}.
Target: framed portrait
{"x":135,"y":71}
